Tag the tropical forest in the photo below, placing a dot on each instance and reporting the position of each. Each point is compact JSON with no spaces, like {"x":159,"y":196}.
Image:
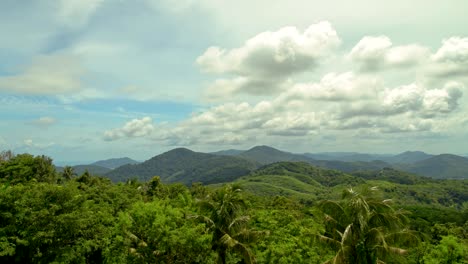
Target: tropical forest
{"x":278,"y":212}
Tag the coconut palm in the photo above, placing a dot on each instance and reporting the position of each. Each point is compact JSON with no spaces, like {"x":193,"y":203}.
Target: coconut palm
{"x":362,"y":228}
{"x":68,"y":173}
{"x":224,"y":218}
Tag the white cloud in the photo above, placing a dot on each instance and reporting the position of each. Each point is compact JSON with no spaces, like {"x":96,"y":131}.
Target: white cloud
{"x":47,"y":75}
{"x":335,"y":87}
{"x":451,"y":59}
{"x":132,"y":129}
{"x":31,"y":144}
{"x":378,"y":53}
{"x":338,"y":102}
{"x":413,"y":98}
{"x":269,"y":58}
{"x":44,"y":121}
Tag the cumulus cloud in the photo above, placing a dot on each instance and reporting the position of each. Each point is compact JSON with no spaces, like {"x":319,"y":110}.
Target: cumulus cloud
{"x":335,"y":87}
{"x":132,"y":129}
{"x":345,"y":101}
{"x":451,"y":59}
{"x":31,"y":144}
{"x":377,"y":53}
{"x":413,"y":98}
{"x":44,"y":121}
{"x":47,"y":75}
{"x":269,"y":58}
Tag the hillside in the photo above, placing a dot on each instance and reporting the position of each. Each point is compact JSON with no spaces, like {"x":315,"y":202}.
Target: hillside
{"x":350,"y":166}
{"x":408,"y":157}
{"x":444,"y":166}
{"x":186,"y":166}
{"x":228,"y":152}
{"x":393,"y":175}
{"x":267,"y":155}
{"x":295,"y":179}
{"x":115,"y":163}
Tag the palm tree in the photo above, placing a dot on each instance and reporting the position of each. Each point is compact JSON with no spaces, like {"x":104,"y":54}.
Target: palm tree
{"x":68,"y":173}
{"x":361,"y":228}
{"x":226,"y":221}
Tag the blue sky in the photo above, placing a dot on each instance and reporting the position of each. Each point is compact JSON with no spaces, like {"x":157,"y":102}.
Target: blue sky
{"x":82,"y":80}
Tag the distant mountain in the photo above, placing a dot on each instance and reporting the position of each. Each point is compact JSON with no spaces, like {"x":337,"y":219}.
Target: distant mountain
{"x":408,"y":157}
{"x":229,"y":152}
{"x":267,"y":155}
{"x":186,"y":166}
{"x":115,"y":163}
{"x":92,"y":169}
{"x":444,"y":166}
{"x":347,"y":156}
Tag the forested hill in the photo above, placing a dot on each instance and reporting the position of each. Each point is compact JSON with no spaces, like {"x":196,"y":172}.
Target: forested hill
{"x":115,"y":163}
{"x":186,"y":166}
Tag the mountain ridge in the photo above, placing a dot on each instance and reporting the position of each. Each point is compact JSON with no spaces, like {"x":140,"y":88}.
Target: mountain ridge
{"x":186,"y":166}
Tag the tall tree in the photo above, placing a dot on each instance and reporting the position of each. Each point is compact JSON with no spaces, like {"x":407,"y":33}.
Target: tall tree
{"x":361,"y":228}
{"x":68,"y":173}
{"x":26,"y":167}
{"x":6,"y":155}
{"x":226,"y":220}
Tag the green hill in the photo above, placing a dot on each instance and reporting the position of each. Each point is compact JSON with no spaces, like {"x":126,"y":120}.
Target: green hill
{"x":393,"y":175}
{"x":267,"y":155}
{"x":186,"y":166}
{"x":295,"y":179}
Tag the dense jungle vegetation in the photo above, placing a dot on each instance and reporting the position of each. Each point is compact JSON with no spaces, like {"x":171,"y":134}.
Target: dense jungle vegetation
{"x":284,"y":213}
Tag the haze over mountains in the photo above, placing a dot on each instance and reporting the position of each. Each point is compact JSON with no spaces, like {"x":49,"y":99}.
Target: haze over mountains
{"x":186,"y":166}
{"x":101,"y":167}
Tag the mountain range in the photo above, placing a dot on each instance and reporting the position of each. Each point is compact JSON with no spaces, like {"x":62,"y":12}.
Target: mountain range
{"x":100,"y":167}
{"x":186,"y":166}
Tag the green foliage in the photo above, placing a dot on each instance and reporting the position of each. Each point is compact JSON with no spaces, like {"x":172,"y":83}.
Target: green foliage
{"x":157,"y":232}
{"x":448,"y":251}
{"x":392,"y":175}
{"x":309,"y":174}
{"x":227,"y":223}
{"x":88,"y":219}
{"x":362,"y":227}
{"x":291,"y":236}
{"x":25,"y":167}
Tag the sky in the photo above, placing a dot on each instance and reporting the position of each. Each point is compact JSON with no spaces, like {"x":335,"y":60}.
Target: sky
{"x":84,"y":80}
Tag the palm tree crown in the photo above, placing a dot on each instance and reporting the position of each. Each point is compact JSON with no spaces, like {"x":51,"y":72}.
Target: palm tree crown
{"x":362,"y":227}
{"x":224,"y":218}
